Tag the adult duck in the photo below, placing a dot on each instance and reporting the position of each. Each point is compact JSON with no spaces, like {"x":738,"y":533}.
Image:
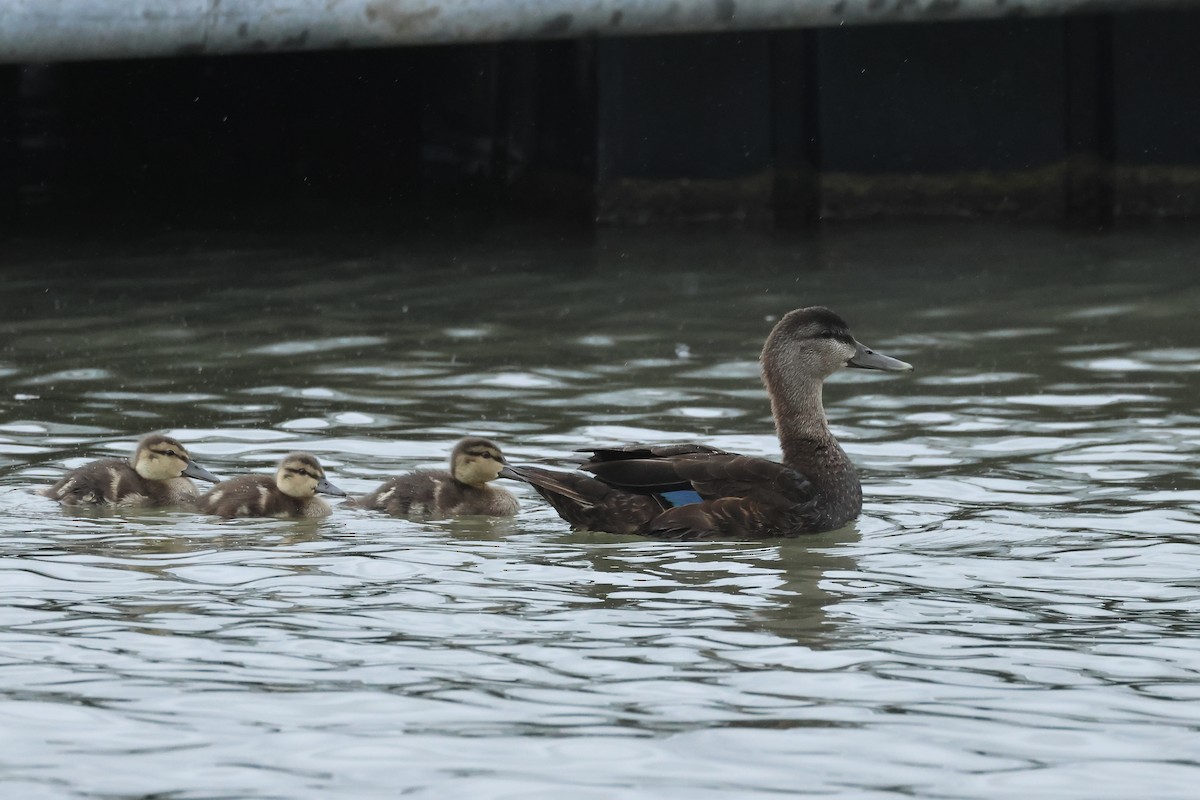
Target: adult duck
{"x":156,"y":475}
{"x":691,"y":491}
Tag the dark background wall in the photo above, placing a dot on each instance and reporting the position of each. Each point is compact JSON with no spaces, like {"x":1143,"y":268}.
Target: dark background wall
{"x":1080,"y":120}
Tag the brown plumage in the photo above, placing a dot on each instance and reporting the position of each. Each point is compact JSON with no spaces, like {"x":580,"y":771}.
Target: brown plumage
{"x":292,"y":492}
{"x":155,"y":475}
{"x":695,"y":492}
{"x":460,"y":491}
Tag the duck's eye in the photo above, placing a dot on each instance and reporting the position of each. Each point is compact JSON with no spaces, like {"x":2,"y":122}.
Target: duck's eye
{"x":826,"y":334}
{"x":171,"y":453}
{"x":488,"y":456}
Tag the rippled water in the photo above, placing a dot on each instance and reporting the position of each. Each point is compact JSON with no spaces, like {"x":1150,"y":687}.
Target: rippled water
{"x":1014,"y":615}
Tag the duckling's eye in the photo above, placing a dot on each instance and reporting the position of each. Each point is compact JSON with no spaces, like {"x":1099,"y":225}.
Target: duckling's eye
{"x":171,"y":453}
{"x":488,"y":456}
{"x":826,"y":334}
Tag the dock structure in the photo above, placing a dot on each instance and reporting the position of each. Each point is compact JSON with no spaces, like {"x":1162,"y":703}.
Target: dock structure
{"x":56,"y":30}
{"x":760,"y":112}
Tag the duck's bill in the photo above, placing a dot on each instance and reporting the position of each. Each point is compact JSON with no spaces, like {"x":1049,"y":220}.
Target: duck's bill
{"x":866,"y":358}
{"x":198,"y":472}
{"x":325,"y":487}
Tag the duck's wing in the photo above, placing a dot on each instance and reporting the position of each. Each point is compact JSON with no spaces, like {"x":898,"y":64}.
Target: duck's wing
{"x":717,"y":495}
{"x":419,"y":493}
{"x":109,"y":481}
{"x":243,"y":496}
{"x":710,"y":475}
{"x":663,"y":470}
{"x":678,"y":491}
{"x":648,"y":451}
{"x":736,"y":518}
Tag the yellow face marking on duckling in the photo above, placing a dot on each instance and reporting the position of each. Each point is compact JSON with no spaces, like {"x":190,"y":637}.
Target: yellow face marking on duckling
{"x":160,"y":463}
{"x":296,"y":480}
{"x":476,"y":466}
{"x":300,"y":475}
{"x":161,"y":458}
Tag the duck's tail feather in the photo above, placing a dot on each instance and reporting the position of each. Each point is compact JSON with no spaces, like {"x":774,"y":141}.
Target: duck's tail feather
{"x":571,"y":486}
{"x":588,"y":502}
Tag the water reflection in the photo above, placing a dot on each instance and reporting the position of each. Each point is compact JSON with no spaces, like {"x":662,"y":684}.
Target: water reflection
{"x":1012,"y":614}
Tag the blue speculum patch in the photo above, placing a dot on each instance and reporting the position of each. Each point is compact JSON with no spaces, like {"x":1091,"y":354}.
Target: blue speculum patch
{"x":681,"y":497}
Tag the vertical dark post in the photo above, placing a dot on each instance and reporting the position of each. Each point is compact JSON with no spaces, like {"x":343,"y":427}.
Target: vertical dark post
{"x":795,"y":129}
{"x":610,"y":149}
{"x":1090,"y":145}
{"x":515,"y":86}
{"x":685,"y":128}
{"x":544,"y":140}
{"x":42,"y":147}
{"x":585,"y":140}
{"x":10,"y":142}
{"x":567,"y":132}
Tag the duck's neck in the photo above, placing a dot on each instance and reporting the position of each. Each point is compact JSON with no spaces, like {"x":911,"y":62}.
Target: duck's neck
{"x":804,"y":434}
{"x":810,"y":448}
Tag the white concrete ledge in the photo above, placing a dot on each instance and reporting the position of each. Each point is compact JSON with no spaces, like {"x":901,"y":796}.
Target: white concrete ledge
{"x":56,"y":30}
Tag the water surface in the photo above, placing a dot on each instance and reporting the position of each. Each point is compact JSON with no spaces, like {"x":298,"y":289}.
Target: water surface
{"x":1014,"y":614}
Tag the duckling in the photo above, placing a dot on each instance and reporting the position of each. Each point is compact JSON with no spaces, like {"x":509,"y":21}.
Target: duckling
{"x":692,"y":491}
{"x":156,"y":475}
{"x":461,"y":490}
{"x":291,"y":493}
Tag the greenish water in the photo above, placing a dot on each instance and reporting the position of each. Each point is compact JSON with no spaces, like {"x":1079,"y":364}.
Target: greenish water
{"x":1014,"y":615}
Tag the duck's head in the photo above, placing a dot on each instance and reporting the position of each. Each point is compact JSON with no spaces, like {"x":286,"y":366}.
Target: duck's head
{"x":813,"y":343}
{"x":476,"y":461}
{"x":161,"y":458}
{"x":301,"y":475}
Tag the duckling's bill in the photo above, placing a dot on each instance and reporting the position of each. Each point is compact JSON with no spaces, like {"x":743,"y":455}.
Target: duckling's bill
{"x":866,"y":358}
{"x":325,"y":487}
{"x":194,"y":470}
